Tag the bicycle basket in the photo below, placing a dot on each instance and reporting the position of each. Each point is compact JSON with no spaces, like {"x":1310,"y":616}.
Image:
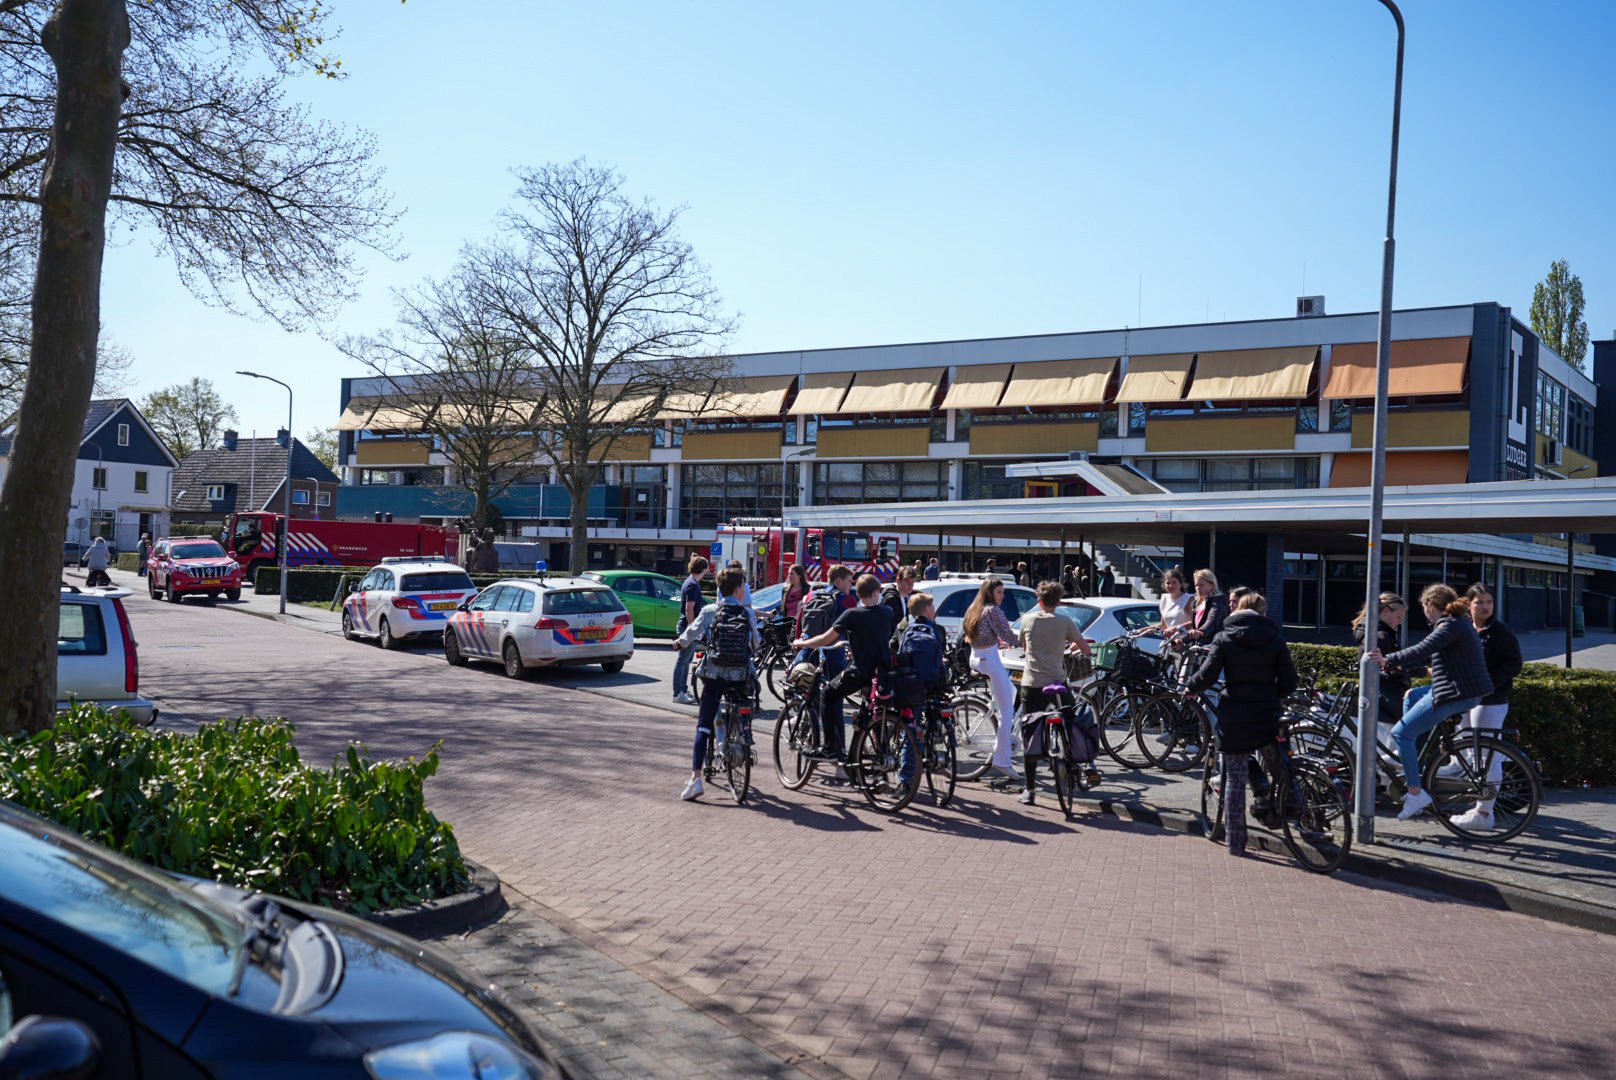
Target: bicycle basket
{"x":1105,"y":655}
{"x":777,"y":633}
{"x":1135,"y":665}
{"x":1078,"y":668}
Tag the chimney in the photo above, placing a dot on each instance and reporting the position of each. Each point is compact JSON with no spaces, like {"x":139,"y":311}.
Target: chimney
{"x":230,"y":439}
{"x":283,"y":437}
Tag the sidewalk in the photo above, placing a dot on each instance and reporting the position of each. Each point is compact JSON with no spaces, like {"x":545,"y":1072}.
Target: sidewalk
{"x":265,"y":607}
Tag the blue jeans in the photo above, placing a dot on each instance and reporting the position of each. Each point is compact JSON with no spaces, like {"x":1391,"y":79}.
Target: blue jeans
{"x":712,"y":696}
{"x":681,"y":671}
{"x":1420,"y":715}
{"x":831,"y":662}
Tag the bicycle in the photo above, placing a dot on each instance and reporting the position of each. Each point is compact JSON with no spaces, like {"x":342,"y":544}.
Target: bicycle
{"x":775,"y":656}
{"x":884,"y":750}
{"x":933,"y":732}
{"x":798,"y":733}
{"x":1058,"y":746}
{"x":729,"y":751}
{"x":1174,"y":729}
{"x":976,"y":718}
{"x":1297,"y":796}
{"x":1130,"y":677}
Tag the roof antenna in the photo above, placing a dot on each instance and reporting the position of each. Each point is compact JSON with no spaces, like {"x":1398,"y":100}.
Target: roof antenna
{"x":1139,"y":316}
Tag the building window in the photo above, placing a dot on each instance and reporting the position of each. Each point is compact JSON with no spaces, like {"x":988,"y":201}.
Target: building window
{"x":713,"y":494}
{"x":1233,"y":474}
{"x":839,"y":483}
{"x":215,"y":492}
{"x":1136,"y":418}
{"x":98,"y":478}
{"x":375,"y":476}
{"x":123,"y":434}
{"x":300,"y":497}
{"x":1550,"y":409}
{"x":324,"y":498}
{"x":1579,"y":425}
{"x":142,"y":479}
{"x":1340,"y":415}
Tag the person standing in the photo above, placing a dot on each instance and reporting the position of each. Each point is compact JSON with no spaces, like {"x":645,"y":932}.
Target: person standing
{"x":1459,"y":681}
{"x":1395,"y":683}
{"x":1207,"y":608}
{"x":1174,"y":603}
{"x":987,"y":629}
{"x":992,"y":567}
{"x":896,"y":596}
{"x":728,"y":631}
{"x":934,"y":570}
{"x":690,"y":605}
{"x":1503,"y":654}
{"x":142,"y":553}
{"x":1258,"y":676}
{"x":1023,"y":575}
{"x":1068,"y":582}
{"x":1106,"y":585}
{"x":1047,"y":637}
{"x":796,"y":592}
{"x":746,"y":590}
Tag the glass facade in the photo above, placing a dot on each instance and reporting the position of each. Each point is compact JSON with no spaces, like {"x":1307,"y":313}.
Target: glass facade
{"x":842,"y":482}
{"x":1232,"y":473}
{"x":713,"y":494}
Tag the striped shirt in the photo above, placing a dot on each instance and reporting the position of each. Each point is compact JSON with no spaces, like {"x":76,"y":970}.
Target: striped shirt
{"x":993,"y":629}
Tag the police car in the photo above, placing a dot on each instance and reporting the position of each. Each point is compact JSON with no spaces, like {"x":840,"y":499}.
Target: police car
{"x":528,"y":623}
{"x":404,"y":598}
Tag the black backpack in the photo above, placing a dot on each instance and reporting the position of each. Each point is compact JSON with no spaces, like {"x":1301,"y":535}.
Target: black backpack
{"x":920,"y":662}
{"x":818,"y":612}
{"x":729,"y":639}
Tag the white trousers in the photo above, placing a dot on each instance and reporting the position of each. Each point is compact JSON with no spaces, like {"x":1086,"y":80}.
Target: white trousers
{"x":1489,"y":718}
{"x":987,"y":662}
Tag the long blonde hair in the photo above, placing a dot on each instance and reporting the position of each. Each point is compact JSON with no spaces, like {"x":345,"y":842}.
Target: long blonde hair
{"x":973,"y":614}
{"x":1387,"y":600}
{"x":1204,"y":575}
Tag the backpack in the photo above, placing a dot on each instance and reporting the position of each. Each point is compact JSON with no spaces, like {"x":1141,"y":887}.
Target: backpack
{"x":729,"y":639}
{"x":920,"y":663}
{"x":817,"y":613}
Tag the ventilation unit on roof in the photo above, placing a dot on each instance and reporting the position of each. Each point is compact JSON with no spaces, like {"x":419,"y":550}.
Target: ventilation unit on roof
{"x":1309,"y":305}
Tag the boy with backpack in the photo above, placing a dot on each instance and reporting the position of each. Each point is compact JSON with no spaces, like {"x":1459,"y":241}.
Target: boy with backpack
{"x":919,"y":653}
{"x":867,"y":629}
{"x":729,"y":631}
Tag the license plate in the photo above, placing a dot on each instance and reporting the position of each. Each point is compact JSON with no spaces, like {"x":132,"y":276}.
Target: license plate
{"x":445,"y":605}
{"x":592,"y":635}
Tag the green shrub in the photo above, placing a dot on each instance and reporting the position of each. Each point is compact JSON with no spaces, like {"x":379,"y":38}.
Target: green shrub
{"x":128,"y":560}
{"x":235,"y":803}
{"x":186,"y":528}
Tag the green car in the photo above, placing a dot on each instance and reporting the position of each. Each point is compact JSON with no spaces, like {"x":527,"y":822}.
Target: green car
{"x":652,"y":599}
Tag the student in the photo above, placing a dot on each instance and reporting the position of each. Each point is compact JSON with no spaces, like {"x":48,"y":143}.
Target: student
{"x":690,"y":602}
{"x":1207,"y":608}
{"x":1047,"y":637}
{"x":728,"y":631}
{"x":796,"y":592}
{"x":1394,"y":684}
{"x":1023,"y":575}
{"x":1069,"y":586}
{"x":896,"y":596}
{"x":987,"y":629}
{"x":1503,"y":652}
{"x":867,"y":629}
{"x":1174,"y":603}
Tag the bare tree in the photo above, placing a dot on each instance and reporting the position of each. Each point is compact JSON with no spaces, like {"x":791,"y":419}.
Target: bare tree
{"x":189,"y":416}
{"x":457,"y":375}
{"x":616,"y":314}
{"x":114,"y":366}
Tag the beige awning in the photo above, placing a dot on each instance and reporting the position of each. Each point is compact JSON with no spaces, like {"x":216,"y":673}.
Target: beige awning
{"x":897,"y":390}
{"x":758,"y":395}
{"x":1152,"y":379}
{"x":685,"y":405}
{"x":977,"y":387}
{"x":821,"y":393}
{"x":1059,"y":382}
{"x":356,"y":417}
{"x":620,"y":406}
{"x":385,"y":414}
{"x":1254,"y":374}
{"x":512,"y":415}
{"x":1421,"y":368}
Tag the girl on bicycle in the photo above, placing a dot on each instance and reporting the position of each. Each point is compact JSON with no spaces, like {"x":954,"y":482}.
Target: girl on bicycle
{"x":1503,"y":654}
{"x":1459,"y":681}
{"x":1174,"y":603}
{"x":1258,"y":677}
{"x":1394,"y":684}
{"x":987,"y":629}
{"x":1208,"y":609}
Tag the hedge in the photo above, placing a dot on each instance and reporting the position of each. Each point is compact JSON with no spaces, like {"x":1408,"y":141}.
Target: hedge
{"x":129,"y":561}
{"x":235,"y":803}
{"x":1566,"y":720}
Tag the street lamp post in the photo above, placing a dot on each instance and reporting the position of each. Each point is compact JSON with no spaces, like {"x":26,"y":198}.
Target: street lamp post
{"x":286,"y":512}
{"x":101,"y":466}
{"x":1368,"y":670}
{"x":785,"y":487}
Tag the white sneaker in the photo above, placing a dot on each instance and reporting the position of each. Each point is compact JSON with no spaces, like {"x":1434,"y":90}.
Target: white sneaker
{"x":684,"y":699}
{"x":1027,"y":798}
{"x":693,"y":789}
{"x":1474,"y":818}
{"x":1453,"y":770}
{"x":1165,"y":738}
{"x":1413,"y":805}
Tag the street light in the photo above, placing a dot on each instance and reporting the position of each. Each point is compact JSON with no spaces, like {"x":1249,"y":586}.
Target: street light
{"x":286,"y":516}
{"x":1368,"y":670}
{"x":101,"y":466}
{"x":784,"y":487}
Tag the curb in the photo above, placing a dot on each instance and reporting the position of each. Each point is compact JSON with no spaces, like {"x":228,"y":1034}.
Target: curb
{"x":448,"y":914}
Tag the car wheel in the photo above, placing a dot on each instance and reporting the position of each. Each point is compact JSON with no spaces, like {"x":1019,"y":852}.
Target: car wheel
{"x":347,"y":626}
{"x":384,"y":635}
{"x":451,"y":650}
{"x":173,"y":594}
{"x":232,"y":594}
{"x":611,"y":667}
{"x":151,"y":587}
{"x":514,"y":668}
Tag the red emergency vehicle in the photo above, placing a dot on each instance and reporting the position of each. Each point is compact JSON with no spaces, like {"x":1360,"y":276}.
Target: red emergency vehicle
{"x":766,"y":550}
{"x":315,"y":542}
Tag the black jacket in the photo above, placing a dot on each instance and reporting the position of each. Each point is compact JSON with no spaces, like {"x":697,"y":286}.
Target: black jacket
{"x":1503,"y":652}
{"x":1209,"y":619}
{"x":1258,"y":677}
{"x":1458,"y":665}
{"x":1395,"y":682}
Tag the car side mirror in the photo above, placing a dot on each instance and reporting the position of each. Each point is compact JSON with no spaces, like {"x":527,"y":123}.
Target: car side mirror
{"x":465,"y":605}
{"x":50,"y":1048}
{"x":353,"y":587}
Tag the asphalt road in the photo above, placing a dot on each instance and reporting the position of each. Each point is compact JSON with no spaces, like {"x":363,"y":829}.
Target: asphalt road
{"x":984,"y":939}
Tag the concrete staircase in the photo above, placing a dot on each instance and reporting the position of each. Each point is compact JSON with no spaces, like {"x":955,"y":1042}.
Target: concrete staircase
{"x":1144,"y":566}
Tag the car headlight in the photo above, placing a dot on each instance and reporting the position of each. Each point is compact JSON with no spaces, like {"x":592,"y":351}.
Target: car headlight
{"x":457,"y":1055}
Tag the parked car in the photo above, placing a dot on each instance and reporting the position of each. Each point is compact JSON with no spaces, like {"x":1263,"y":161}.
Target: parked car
{"x":150,"y":975}
{"x":528,"y":623}
{"x":96,"y":657}
{"x":1098,"y":618}
{"x":405,"y":598}
{"x":954,"y":596}
{"x":191,"y":566}
{"x":652,"y":599}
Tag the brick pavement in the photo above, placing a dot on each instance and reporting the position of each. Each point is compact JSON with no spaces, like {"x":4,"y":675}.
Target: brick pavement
{"x":980,"y":939}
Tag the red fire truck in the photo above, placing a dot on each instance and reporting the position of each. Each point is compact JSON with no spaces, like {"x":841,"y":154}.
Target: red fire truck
{"x":766,"y":550}
{"x":253,"y":541}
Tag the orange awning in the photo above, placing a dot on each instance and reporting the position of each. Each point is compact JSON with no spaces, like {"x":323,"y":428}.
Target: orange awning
{"x":1425,"y":367}
{"x":1402,"y":469}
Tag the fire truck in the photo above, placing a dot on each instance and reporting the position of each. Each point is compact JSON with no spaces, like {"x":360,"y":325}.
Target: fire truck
{"x":766,"y":549}
{"x":253,"y":539}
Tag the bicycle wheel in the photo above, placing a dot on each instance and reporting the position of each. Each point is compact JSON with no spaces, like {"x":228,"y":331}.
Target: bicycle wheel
{"x":1459,"y":780}
{"x":738,"y":760}
{"x":942,"y":763}
{"x":793,"y":744}
{"x":1060,"y":767}
{"x":1119,"y":730}
{"x":976,"y":730}
{"x":1212,"y":797}
{"x":1174,"y":733}
{"x":775,"y":666}
{"x":881,"y":748}
{"x":1318,"y":829}
{"x":1313,"y":740}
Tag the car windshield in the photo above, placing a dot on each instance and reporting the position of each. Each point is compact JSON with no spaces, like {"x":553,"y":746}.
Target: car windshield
{"x":121,"y":906}
{"x":437,"y":581}
{"x":582,"y":602}
{"x":768,"y":597}
{"x":1081,"y":614}
{"x":205,"y":549}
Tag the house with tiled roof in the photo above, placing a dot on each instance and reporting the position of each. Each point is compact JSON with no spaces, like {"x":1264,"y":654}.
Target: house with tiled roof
{"x":250,"y":475}
{"x":121,"y":478}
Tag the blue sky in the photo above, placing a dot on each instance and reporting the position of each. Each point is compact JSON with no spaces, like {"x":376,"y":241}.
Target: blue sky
{"x":860,"y":174}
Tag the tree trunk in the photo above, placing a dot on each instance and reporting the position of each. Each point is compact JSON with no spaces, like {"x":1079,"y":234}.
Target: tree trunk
{"x":85,"y":40}
{"x":578,"y":550}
